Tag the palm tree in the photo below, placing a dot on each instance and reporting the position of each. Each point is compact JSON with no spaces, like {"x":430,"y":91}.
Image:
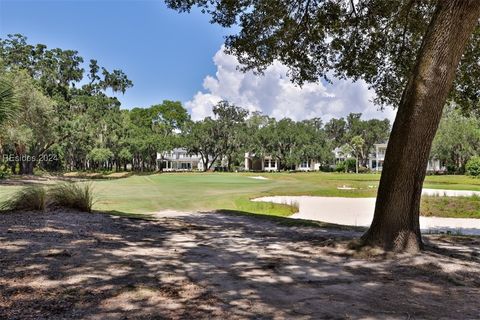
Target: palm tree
{"x":8,"y":106}
{"x":7,"y":102}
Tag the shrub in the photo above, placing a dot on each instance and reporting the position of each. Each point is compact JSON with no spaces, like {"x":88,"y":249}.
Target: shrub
{"x":340,"y":167}
{"x":72,"y":195}
{"x":28,"y":198}
{"x":326,"y":168}
{"x":362,"y":169}
{"x":4,"y":172}
{"x":348,"y":165}
{"x":351,"y":164}
{"x":473,"y":166}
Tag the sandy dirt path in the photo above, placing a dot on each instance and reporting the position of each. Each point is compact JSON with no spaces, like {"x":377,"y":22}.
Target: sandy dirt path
{"x":68,"y":265}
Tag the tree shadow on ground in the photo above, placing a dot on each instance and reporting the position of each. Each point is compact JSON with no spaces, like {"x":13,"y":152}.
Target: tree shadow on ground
{"x":74,"y":265}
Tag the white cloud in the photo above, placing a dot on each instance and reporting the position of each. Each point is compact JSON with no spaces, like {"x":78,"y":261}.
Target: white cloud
{"x":275,"y":95}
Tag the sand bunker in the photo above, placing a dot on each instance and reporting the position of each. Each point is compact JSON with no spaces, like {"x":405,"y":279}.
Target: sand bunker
{"x":359,"y":211}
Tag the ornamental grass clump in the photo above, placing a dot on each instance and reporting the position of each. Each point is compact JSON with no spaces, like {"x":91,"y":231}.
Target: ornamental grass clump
{"x":26,"y":199}
{"x":72,"y":195}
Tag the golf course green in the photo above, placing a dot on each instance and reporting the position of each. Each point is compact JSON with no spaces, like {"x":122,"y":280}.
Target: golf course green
{"x":143,"y":194}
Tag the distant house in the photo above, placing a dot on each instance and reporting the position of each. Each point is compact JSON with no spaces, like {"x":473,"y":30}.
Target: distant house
{"x":340,"y":155}
{"x":256,"y":163}
{"x":179,"y":159}
{"x":377,"y":158}
{"x":308,"y":165}
{"x":269,"y":163}
{"x":375,"y":161}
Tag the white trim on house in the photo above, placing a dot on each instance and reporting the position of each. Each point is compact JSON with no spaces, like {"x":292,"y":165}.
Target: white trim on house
{"x":340,"y":156}
{"x":265,"y":163}
{"x":375,"y":161}
{"x":435,"y":165}
{"x":308,"y":165}
{"x":178,"y":159}
{"x":268,"y":163}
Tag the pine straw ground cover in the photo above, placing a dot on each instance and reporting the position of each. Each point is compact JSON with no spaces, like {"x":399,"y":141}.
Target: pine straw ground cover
{"x":72,"y":265}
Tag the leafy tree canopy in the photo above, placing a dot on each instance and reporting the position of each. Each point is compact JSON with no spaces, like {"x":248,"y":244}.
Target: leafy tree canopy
{"x":457,"y":140}
{"x":58,"y":70}
{"x":374,"y":40}
{"x":7,"y":101}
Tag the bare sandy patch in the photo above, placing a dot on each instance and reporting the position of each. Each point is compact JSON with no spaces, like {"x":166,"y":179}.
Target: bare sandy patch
{"x":68,"y":265}
{"x":259,"y":178}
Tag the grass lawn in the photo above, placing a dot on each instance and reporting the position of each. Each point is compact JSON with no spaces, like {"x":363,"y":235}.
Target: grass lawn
{"x":140,"y":194}
{"x":452,"y":207}
{"x":232,"y":191}
{"x":187,"y":191}
{"x":452,"y":183}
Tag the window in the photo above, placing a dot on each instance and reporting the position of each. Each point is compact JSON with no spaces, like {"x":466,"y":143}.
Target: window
{"x":186,"y":165}
{"x":304,"y":164}
{"x":266,"y":163}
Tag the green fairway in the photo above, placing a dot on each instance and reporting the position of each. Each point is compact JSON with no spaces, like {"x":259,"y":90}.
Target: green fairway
{"x":141,"y":194}
{"x":206,"y":191}
{"x":185,"y":191}
{"x":452,"y":183}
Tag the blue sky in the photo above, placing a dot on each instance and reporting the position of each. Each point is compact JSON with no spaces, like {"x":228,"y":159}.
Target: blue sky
{"x":165,"y":54}
{"x":177,"y":57}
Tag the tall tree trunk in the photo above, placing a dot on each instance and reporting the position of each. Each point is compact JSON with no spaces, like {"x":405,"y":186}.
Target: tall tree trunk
{"x":205,"y":163}
{"x":30,"y":166}
{"x":395,"y":224}
{"x":13,"y":167}
{"x":27,"y":166}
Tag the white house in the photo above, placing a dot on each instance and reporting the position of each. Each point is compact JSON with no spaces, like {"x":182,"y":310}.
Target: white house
{"x":268,"y":163}
{"x":375,"y":161}
{"x":377,"y":158}
{"x":340,"y":155}
{"x":178,"y":159}
{"x":254,"y":163}
{"x":308,"y":165}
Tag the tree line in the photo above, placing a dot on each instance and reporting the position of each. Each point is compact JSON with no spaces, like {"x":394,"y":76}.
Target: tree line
{"x":50,"y":122}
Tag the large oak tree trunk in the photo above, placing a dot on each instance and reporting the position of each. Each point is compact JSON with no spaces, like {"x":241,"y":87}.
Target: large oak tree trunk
{"x":395,"y":224}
